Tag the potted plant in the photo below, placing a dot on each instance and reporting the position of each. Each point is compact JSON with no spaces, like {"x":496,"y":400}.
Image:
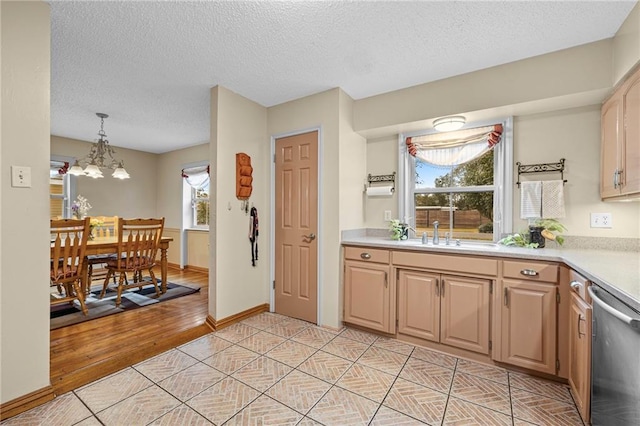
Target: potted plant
{"x":399,"y":231}
{"x":539,"y":230}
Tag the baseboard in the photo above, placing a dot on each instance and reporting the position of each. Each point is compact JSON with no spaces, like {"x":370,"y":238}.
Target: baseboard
{"x":75,"y":379}
{"x":197,"y":268}
{"x":26,"y":402}
{"x":188,"y":267}
{"x":232,"y":319}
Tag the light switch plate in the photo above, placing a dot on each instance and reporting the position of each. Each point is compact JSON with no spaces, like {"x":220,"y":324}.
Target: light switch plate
{"x":21,"y":176}
{"x":387,"y":215}
{"x":601,"y":220}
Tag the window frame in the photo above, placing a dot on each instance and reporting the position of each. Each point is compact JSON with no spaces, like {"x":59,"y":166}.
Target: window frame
{"x":189,"y":212}
{"x":68,"y":186}
{"x":502,"y":177}
{"x":194,"y":209}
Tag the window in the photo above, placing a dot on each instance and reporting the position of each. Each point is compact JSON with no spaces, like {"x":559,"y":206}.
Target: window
{"x":458,"y":179}
{"x":59,"y":190}
{"x":200,"y":206}
{"x":196,"y":196}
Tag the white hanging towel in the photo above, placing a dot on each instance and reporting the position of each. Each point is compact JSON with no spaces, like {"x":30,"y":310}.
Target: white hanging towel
{"x":530,"y":200}
{"x":552,"y":199}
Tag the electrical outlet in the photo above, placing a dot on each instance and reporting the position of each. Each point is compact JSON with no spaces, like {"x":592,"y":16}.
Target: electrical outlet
{"x":601,"y":220}
{"x":387,"y":215}
{"x":21,"y":176}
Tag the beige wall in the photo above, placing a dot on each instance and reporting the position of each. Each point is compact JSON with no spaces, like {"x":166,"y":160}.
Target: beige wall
{"x":574,"y":135}
{"x":529,"y":83}
{"x":382,"y":159}
{"x":626,"y":45}
{"x":197,"y":248}
{"x":320,"y":110}
{"x":169,"y":181}
{"x":240,"y":126}
{"x":24,"y":222}
{"x":173,"y":253}
{"x":352,"y":168}
{"x":130,"y":198}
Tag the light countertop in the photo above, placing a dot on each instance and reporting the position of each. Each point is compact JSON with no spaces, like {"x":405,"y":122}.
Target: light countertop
{"x":618,"y":272}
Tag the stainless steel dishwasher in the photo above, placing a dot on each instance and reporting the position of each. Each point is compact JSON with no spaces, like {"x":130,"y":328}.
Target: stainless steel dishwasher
{"x":615,"y":361}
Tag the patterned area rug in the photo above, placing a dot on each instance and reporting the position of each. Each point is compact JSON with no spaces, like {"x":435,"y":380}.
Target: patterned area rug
{"x":64,"y":315}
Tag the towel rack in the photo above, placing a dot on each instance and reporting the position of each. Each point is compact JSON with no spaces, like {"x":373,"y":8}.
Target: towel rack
{"x":382,"y":178}
{"x":541,"y":168}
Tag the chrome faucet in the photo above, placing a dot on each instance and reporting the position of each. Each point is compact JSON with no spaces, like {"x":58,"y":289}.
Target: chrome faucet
{"x":446,"y":238}
{"x":436,"y":239}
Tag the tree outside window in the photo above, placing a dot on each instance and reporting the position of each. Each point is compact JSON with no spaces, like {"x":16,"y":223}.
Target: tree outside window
{"x":200,"y":202}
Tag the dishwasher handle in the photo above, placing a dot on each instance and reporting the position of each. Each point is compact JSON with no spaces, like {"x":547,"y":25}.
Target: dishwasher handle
{"x":632,"y":322}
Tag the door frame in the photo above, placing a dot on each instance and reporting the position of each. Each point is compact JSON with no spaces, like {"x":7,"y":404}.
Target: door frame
{"x":272,"y":222}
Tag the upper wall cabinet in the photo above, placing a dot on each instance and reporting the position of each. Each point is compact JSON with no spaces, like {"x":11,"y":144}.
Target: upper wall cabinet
{"x":620,"y":149}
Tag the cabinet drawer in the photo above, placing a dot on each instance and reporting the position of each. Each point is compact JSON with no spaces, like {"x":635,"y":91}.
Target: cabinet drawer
{"x":459,"y":264}
{"x":535,"y":271}
{"x":579,"y":285}
{"x":366,"y":254}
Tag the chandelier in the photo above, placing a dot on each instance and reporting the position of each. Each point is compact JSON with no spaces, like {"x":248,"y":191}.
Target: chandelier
{"x":97,"y":159}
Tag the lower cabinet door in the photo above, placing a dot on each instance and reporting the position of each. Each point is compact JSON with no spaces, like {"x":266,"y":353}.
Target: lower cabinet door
{"x":419,"y":304}
{"x":529,"y":325}
{"x":367,"y":296}
{"x":580,"y":355}
{"x":465,"y":313}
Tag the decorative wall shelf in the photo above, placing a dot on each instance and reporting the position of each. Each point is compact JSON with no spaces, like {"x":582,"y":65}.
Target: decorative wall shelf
{"x":541,"y":168}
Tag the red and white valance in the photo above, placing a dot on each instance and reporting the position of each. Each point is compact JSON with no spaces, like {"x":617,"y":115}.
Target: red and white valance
{"x":196,"y":177}
{"x":454,"y":148}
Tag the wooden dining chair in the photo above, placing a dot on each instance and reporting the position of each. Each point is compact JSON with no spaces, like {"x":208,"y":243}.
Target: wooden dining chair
{"x":68,"y":244}
{"x":108,"y":229}
{"x":138,"y":241}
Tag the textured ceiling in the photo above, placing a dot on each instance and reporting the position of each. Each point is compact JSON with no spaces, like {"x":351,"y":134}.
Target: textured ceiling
{"x":150,"y":65}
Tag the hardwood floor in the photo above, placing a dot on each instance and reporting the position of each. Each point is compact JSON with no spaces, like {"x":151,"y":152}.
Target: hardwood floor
{"x":85,"y":352}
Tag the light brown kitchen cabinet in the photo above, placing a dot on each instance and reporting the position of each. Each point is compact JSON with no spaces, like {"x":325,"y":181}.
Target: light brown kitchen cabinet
{"x":528,"y":324}
{"x":419,"y":304}
{"x":620,"y":145}
{"x":368,"y":289}
{"x":448,"y":309}
{"x":580,"y":347}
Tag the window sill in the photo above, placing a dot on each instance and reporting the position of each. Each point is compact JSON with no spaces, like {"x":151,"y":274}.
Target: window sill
{"x":197,"y":229}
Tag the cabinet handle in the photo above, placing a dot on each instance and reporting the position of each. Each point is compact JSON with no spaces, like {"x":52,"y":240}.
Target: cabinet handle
{"x":575,"y":285}
{"x":386,"y":281}
{"x":529,"y":272}
{"x":506,"y":297}
{"x":615,"y":179}
{"x":437,"y":287}
{"x":442,"y":288}
{"x":365,"y":256}
{"x":580,"y":319}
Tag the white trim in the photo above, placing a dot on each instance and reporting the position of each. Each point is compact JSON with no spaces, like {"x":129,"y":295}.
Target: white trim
{"x":183,"y":226}
{"x":272,"y":237}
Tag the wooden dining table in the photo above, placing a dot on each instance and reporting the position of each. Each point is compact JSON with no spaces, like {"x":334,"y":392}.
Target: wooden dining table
{"x":109,"y":245}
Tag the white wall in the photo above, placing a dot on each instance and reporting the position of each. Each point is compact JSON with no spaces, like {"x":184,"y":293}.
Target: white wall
{"x":240,"y":126}
{"x":24,"y":218}
{"x":322,"y":110}
{"x":130,"y":198}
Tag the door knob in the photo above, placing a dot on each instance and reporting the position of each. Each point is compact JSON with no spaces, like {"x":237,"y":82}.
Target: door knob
{"x":310,"y":237}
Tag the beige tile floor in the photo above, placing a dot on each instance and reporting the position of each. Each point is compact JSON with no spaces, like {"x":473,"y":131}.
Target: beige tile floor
{"x":274,"y":370}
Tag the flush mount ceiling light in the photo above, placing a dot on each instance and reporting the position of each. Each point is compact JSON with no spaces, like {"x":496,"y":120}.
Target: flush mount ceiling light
{"x":96,"y":159}
{"x":447,"y":124}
